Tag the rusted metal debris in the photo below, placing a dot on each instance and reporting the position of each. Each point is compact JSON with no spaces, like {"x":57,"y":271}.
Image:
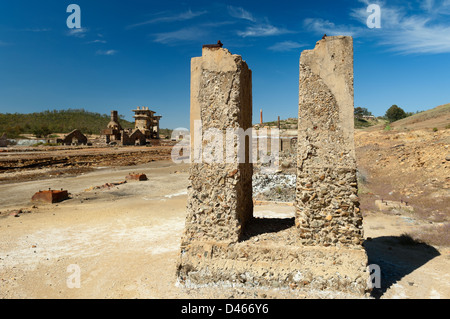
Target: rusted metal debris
{"x":218,"y":45}
{"x":50,"y":196}
{"x":137,"y":177}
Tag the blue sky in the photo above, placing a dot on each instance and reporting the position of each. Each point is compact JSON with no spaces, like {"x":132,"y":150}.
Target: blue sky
{"x":137,"y":53}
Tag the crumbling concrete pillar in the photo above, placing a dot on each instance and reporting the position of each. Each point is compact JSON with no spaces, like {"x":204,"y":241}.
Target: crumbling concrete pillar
{"x":327,"y":206}
{"x":220,"y":184}
{"x":220,"y":190}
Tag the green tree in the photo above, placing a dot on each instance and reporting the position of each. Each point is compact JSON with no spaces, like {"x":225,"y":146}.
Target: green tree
{"x":395,"y":113}
{"x":42,"y":131}
{"x":37,"y":131}
{"x":361,"y":111}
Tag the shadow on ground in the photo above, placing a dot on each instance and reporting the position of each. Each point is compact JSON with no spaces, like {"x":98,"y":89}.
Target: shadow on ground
{"x":397,"y":256}
{"x":258,"y":226}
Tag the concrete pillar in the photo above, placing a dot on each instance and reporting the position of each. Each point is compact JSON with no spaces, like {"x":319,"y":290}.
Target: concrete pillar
{"x":219,"y":194}
{"x":310,"y":255}
{"x":327,"y":205}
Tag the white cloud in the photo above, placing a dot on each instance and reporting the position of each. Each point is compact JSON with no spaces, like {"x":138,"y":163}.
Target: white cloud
{"x":185,"y":34}
{"x":97,"y":41}
{"x":257,"y":27}
{"x":403,"y":30}
{"x":172,"y":18}
{"x":390,"y":16}
{"x":286,"y":46}
{"x":427,"y":32}
{"x":427,"y":5}
{"x":106,"y":52}
{"x":38,"y":30}
{"x":262,"y":30}
{"x":418,"y":35}
{"x":240,"y":13}
{"x":78,"y":32}
{"x":322,"y":26}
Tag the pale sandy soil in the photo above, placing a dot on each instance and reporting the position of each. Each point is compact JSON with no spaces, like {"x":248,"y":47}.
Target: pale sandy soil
{"x":125,"y":241}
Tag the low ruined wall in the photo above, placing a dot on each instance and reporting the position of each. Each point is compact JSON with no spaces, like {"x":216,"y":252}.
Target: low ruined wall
{"x":276,"y":265}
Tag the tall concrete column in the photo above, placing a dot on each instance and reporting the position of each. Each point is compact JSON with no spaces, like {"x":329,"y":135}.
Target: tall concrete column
{"x":220,"y":194}
{"x":327,"y":206}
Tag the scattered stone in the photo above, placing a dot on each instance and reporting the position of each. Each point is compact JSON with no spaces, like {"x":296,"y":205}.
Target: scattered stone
{"x":15,"y":212}
{"x":106,"y":185}
{"x":286,"y":164}
{"x":274,"y":187}
{"x":394,"y":207}
{"x":136,"y":177}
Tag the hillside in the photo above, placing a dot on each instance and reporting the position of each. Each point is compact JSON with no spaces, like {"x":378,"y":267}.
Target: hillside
{"x":409,"y":161}
{"x":56,"y":121}
{"x":438,"y":117}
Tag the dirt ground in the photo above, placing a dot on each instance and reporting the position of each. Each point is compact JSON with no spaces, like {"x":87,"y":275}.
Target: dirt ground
{"x":124,"y":240}
{"x":31,"y":163}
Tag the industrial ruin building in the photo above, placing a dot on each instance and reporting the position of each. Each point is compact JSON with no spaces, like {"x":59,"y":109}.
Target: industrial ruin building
{"x":114,"y":129}
{"x":146,"y":128}
{"x":146,"y":121}
{"x":4,"y":140}
{"x":74,"y":138}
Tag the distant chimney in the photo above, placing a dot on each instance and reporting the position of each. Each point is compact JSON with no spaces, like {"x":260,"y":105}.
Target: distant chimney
{"x":260,"y":117}
{"x":114,"y":117}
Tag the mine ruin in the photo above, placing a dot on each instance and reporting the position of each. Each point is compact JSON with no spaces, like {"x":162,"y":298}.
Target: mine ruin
{"x":145,"y":131}
{"x":74,"y":138}
{"x":223,"y":243}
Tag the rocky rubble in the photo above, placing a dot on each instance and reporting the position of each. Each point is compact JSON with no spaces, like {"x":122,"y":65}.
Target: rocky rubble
{"x":274,"y":187}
